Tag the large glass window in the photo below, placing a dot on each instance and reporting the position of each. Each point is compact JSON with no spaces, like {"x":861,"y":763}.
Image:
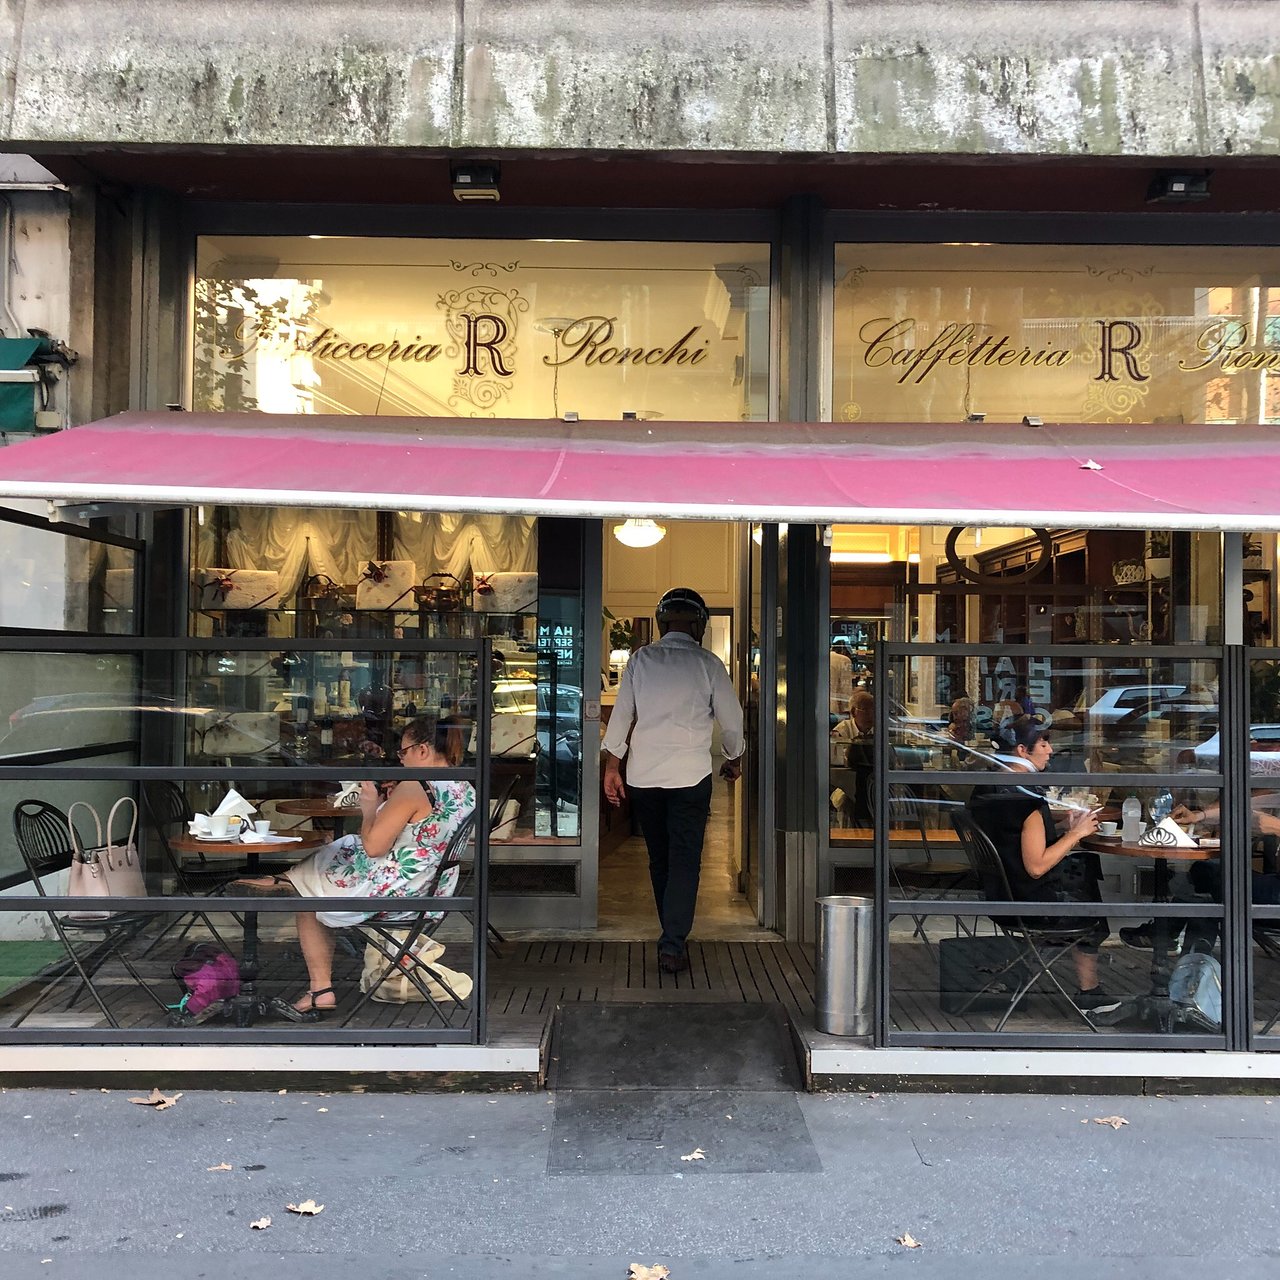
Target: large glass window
{"x":1096,"y":333}
{"x":492,"y":328}
{"x":1103,"y":647}
{"x":360,"y":577}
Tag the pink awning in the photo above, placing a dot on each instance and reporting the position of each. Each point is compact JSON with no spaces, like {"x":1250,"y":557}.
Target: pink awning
{"x":1184,"y":477}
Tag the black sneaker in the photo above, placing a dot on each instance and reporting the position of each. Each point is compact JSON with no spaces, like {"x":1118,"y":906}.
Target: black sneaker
{"x":1140,"y":936}
{"x":1143,"y":936}
{"x":1095,"y":1000}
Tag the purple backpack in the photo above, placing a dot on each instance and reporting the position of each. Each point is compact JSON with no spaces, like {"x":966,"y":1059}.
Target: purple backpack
{"x":206,"y":974}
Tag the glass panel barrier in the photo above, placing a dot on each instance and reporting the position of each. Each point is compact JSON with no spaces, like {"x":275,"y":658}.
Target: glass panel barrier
{"x":205,"y":972}
{"x":235,"y":802}
{"x":1264,"y":833}
{"x":56,"y":580}
{"x":1067,"y":807}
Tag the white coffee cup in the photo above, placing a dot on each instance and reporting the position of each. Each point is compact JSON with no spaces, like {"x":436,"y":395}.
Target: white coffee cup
{"x":1108,"y":828}
{"x":263,"y":826}
{"x":218,"y":824}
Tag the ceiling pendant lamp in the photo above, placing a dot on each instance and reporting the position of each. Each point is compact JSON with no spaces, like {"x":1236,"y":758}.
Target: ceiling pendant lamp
{"x":639,"y":533}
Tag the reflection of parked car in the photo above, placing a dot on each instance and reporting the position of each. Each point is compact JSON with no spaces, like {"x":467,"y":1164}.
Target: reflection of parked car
{"x":1264,"y":751}
{"x":522,"y":720}
{"x":57,"y":721}
{"x":1127,"y":701}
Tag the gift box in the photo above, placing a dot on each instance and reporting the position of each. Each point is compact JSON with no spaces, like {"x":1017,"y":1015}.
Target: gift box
{"x":237,"y":589}
{"x":387,"y":584}
{"x":506,"y":593}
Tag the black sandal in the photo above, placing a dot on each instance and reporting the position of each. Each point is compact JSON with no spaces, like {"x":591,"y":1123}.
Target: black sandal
{"x":284,"y":1009}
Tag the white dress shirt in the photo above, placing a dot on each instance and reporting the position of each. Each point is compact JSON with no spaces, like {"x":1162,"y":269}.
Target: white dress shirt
{"x":673,"y":691}
{"x":841,"y":683}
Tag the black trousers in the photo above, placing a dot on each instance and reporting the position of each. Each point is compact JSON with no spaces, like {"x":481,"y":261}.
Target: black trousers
{"x":674,"y":822}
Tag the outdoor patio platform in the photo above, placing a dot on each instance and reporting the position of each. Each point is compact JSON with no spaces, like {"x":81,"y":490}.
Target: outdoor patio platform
{"x":529,"y":982}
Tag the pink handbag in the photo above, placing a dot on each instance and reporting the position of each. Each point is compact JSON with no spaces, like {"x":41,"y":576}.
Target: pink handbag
{"x":108,"y":869}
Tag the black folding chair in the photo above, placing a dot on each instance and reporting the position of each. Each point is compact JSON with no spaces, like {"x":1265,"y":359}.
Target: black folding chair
{"x":396,"y":941}
{"x":166,"y":808}
{"x":1037,"y":948}
{"x":168,"y":812}
{"x":44,"y":841}
{"x":932,"y":877}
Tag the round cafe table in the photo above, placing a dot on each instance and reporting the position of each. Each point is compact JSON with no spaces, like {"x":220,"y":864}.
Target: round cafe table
{"x":316,"y":807}
{"x":246,"y":1004}
{"x":321,"y":810}
{"x":1157,"y":1003}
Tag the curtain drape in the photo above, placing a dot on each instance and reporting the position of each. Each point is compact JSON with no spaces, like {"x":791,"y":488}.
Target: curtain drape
{"x":298,"y":540}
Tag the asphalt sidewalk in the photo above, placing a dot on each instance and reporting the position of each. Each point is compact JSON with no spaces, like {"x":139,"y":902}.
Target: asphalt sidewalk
{"x":585,"y":1182}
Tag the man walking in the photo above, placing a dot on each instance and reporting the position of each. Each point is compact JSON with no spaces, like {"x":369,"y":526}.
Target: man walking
{"x":673,"y":691}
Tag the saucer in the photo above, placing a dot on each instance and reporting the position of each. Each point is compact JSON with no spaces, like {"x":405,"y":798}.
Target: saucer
{"x":218,"y":839}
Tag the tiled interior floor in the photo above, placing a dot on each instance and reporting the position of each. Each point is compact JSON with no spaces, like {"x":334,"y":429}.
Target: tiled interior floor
{"x":626,"y":897}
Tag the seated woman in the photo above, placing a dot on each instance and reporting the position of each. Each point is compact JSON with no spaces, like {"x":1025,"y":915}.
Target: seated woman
{"x":1041,"y":865}
{"x":397,"y":853}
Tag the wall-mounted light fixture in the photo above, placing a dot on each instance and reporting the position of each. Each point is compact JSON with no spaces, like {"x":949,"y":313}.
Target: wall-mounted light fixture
{"x":639,"y":533}
{"x":477,"y":181}
{"x":1174,"y":186}
{"x":1031,"y":420}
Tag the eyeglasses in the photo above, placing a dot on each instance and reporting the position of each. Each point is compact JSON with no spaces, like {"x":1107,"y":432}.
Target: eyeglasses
{"x":401,"y":752}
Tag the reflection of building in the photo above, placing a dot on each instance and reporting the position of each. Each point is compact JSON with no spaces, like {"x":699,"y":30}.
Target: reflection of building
{"x":762,"y":252}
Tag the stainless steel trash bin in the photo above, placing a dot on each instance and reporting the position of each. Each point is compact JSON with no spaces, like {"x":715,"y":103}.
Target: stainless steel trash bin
{"x":843,"y":992}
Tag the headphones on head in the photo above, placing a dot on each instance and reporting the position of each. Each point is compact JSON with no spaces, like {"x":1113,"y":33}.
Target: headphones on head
{"x":682,"y":604}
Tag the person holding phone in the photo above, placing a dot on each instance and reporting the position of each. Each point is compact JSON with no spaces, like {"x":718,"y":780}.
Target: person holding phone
{"x":1041,"y":863}
{"x":671,"y":696}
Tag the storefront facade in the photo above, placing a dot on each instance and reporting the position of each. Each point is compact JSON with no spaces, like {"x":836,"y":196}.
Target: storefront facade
{"x":1013,"y":456}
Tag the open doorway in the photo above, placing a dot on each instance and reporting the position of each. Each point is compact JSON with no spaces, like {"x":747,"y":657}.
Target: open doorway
{"x":707,"y":556}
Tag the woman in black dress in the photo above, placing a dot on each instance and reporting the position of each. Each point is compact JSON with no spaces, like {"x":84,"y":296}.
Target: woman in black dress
{"x":1041,"y":864}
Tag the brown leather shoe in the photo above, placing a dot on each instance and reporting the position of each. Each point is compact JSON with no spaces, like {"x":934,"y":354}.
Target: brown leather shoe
{"x":673,"y":964}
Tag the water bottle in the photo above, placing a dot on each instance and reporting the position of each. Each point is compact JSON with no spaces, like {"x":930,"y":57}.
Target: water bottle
{"x":1161,"y":807}
{"x":1131,"y":819}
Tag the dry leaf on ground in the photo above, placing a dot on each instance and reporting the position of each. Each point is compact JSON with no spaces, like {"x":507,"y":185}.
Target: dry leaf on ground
{"x":161,"y":1101}
{"x":224,"y":1167}
{"x":1114,"y":1121}
{"x":908,"y":1241}
{"x":638,"y":1271}
{"x":308,"y":1208}
{"x":696,"y":1154}
{"x":260,"y":1224}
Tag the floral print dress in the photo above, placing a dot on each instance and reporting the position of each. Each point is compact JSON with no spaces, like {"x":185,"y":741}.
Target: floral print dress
{"x":342,"y":868}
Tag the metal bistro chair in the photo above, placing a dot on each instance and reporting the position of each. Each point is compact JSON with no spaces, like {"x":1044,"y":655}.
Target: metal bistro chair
{"x":395,"y":940}
{"x":44,"y":841}
{"x":934,"y":877}
{"x":1039,"y":948}
{"x":167,"y":810}
{"x":166,"y":806}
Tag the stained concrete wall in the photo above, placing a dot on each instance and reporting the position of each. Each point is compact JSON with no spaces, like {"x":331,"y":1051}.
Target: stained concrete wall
{"x":1156,"y":78}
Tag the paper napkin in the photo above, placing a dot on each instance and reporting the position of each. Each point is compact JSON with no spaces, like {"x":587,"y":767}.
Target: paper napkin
{"x":1166,"y":834}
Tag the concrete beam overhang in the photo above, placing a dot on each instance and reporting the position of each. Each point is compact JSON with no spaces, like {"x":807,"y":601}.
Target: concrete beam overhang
{"x":1058,"y":78}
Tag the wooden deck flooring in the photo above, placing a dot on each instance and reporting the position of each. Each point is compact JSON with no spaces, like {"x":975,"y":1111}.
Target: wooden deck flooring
{"x":532,"y":978}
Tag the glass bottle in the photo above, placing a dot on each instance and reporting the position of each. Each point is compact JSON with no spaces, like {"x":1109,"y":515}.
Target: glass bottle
{"x":1161,"y":806}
